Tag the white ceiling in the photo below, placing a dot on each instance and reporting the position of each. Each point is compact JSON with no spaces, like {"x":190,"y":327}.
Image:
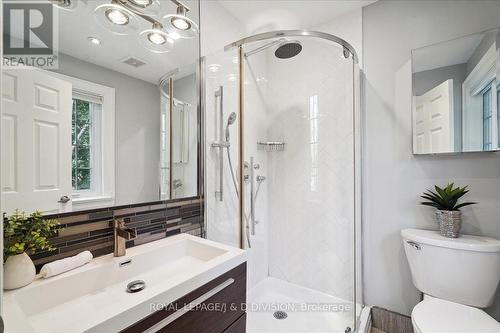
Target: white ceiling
{"x":259,"y":16}
{"x":76,"y":26}
{"x":453,"y":52}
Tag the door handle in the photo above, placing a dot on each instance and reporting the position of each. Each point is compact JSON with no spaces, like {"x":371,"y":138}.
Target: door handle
{"x":64,"y":199}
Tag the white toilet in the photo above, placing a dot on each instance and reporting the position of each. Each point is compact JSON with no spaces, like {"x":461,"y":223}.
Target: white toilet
{"x":457,"y":276}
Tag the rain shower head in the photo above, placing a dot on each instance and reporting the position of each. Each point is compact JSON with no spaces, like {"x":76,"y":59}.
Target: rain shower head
{"x":230,"y":120}
{"x":288,"y":50}
{"x":285,"y":48}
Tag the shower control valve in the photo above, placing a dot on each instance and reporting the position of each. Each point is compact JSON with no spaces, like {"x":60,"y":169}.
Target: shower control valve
{"x":256,"y":166}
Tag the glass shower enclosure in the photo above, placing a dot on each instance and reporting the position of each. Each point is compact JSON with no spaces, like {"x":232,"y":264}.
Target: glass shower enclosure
{"x":282,"y":175}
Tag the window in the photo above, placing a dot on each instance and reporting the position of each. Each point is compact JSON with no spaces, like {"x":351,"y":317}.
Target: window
{"x":487,"y":118}
{"x":479,"y":106}
{"x":86,"y":173}
{"x":164,"y":151}
{"x":93,"y":143}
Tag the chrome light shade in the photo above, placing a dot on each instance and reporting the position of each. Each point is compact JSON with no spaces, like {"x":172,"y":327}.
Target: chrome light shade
{"x":115,"y":18}
{"x":156,"y":40}
{"x":146,"y":7}
{"x":179,"y":24}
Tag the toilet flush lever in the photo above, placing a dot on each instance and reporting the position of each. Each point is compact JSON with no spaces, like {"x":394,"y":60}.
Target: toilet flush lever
{"x":415,"y":245}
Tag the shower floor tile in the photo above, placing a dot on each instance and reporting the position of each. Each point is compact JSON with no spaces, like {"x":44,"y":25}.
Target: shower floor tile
{"x":306,"y":310}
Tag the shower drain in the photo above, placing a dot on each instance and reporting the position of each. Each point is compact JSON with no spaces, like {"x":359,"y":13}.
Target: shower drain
{"x":280,"y":315}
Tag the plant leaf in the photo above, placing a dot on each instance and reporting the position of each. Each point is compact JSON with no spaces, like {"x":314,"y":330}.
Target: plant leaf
{"x":464,"y":204}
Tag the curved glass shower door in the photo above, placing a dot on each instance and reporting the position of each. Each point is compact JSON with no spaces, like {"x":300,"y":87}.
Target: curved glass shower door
{"x":298,"y":150}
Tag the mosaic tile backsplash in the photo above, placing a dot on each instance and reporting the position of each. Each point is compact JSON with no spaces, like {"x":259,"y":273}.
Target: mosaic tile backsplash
{"x":92,"y":230}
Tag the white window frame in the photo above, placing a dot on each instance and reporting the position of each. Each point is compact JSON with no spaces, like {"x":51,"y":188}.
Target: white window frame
{"x":492,"y":89}
{"x":480,"y":77}
{"x":103,"y":192}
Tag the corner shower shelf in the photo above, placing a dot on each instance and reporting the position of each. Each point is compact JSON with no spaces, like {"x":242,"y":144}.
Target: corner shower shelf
{"x":271,"y":146}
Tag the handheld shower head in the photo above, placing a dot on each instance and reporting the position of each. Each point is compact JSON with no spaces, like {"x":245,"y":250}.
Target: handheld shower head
{"x":230,"y":120}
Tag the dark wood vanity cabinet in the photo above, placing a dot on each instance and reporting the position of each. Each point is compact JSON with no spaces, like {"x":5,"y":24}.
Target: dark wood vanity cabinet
{"x":218,"y":307}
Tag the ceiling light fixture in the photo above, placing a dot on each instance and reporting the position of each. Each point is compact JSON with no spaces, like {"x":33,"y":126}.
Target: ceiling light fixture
{"x":213,"y":68}
{"x":143,"y":7}
{"x":179,"y":23}
{"x":116,"y":18}
{"x":141,"y":3}
{"x":155,"y":39}
{"x":94,"y":40}
{"x":122,"y":17}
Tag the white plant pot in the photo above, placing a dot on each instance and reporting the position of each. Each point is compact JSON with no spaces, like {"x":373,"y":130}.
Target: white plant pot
{"x":19,"y":271}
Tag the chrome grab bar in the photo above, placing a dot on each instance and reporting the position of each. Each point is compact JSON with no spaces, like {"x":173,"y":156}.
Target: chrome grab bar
{"x":179,"y":313}
{"x":252,"y":196}
{"x":219,"y":144}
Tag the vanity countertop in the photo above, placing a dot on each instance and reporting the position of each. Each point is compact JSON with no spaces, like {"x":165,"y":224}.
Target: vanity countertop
{"x":93,"y":298}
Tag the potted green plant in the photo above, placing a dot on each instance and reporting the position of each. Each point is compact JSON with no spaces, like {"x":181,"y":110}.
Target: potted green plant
{"x":448,"y":214}
{"x":23,"y":235}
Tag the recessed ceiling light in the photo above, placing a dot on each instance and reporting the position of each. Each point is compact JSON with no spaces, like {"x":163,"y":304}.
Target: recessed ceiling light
{"x":213,"y":68}
{"x":94,"y":40}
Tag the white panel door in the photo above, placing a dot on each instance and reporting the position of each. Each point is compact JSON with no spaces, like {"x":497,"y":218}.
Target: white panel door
{"x":433,"y":120}
{"x":36,"y":141}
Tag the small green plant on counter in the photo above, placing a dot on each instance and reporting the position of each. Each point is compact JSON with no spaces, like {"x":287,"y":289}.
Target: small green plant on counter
{"x":446,"y":198}
{"x":28,"y":233}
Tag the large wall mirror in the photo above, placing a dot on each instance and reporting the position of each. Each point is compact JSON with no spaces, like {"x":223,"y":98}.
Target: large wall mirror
{"x":116,"y":121}
{"x":456,"y":95}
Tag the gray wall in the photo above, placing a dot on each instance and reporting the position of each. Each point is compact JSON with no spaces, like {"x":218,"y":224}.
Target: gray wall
{"x":137,"y":129}
{"x":426,"y":80}
{"x":392,"y":177}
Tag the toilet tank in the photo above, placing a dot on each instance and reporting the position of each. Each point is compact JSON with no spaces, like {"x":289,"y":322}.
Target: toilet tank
{"x":464,"y":270}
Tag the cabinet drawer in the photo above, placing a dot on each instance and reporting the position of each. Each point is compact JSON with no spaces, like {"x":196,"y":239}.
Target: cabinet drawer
{"x":239,"y":326}
{"x":220,"y":303}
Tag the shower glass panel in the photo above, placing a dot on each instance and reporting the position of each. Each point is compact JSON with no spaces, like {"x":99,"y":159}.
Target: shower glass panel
{"x":299,"y":190}
{"x":221,"y":193}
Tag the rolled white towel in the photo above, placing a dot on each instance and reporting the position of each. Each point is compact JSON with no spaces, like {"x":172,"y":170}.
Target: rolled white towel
{"x":66,"y":264}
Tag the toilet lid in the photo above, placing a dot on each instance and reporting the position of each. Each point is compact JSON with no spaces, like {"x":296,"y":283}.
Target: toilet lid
{"x":436,"y":315}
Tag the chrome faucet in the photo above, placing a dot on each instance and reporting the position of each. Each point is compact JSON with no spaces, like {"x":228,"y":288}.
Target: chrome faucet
{"x":121,"y":234}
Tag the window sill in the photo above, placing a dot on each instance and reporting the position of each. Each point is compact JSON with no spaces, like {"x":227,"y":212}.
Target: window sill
{"x":93,"y":200}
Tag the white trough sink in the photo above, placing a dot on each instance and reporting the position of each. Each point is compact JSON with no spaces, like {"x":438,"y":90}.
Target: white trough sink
{"x":93,"y":298}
